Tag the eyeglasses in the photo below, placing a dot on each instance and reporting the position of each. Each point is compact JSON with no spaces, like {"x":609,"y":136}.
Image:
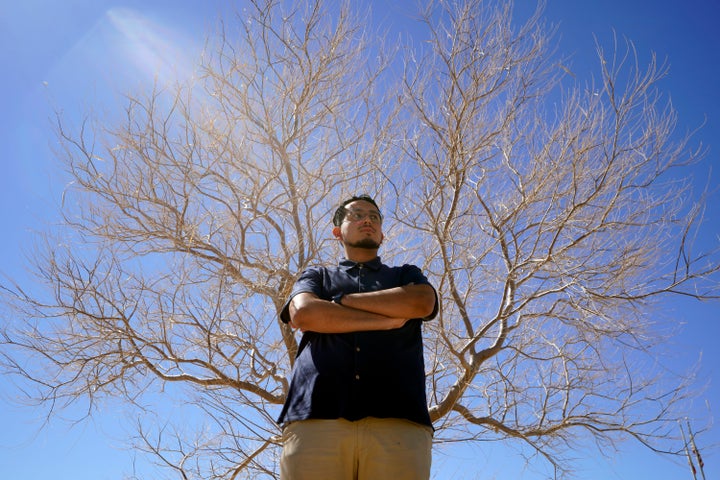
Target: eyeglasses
{"x":356,"y":216}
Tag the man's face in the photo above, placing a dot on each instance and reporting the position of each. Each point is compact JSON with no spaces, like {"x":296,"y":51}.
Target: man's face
{"x":361,"y":227}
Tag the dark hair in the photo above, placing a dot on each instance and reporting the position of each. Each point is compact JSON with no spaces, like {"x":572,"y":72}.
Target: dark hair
{"x":341,"y":211}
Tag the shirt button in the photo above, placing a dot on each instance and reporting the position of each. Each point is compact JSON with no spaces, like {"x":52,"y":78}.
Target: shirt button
{"x":357,"y":349}
{"x":357,"y":377}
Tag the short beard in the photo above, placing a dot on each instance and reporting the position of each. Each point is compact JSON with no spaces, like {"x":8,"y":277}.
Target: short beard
{"x":367,"y":244}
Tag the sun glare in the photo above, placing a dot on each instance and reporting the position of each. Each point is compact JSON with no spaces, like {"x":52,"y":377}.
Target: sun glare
{"x":160,"y":53}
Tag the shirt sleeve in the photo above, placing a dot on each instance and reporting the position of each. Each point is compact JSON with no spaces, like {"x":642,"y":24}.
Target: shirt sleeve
{"x":310,"y":281}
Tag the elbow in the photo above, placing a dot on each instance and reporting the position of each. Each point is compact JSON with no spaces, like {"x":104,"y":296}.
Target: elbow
{"x":428,"y":310}
{"x":299,"y":319}
{"x":301,"y":315}
{"x":426,"y":302}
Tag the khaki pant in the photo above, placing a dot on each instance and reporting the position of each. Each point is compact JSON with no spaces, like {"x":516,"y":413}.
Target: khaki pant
{"x":368,"y":449}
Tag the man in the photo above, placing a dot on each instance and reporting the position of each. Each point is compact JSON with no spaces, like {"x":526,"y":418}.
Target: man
{"x":356,"y":408}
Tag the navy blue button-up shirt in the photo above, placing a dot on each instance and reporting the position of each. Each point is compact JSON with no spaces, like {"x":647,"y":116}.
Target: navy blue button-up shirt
{"x":362,"y":374}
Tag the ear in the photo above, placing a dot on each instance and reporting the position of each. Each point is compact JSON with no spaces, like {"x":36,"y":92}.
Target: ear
{"x":337,"y":233}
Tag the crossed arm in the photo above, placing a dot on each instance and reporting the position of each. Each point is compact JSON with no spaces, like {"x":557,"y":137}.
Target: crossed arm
{"x":379,"y":310}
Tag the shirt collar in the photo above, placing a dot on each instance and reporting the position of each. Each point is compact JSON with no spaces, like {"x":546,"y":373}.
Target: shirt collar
{"x":374,"y":264}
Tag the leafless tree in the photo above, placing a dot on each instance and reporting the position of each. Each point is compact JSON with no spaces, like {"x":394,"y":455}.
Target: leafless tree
{"x":548,"y":214}
{"x":551,"y":233}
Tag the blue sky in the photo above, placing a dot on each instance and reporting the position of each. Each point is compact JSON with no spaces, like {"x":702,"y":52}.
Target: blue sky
{"x":77,"y":55}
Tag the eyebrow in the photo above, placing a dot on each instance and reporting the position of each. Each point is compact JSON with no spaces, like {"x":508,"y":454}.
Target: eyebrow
{"x":362,"y":210}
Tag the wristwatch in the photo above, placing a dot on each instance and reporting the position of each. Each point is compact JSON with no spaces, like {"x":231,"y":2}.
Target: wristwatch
{"x":338,"y":298}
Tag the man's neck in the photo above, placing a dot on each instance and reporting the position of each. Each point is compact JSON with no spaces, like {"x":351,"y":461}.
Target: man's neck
{"x":361,"y":255}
